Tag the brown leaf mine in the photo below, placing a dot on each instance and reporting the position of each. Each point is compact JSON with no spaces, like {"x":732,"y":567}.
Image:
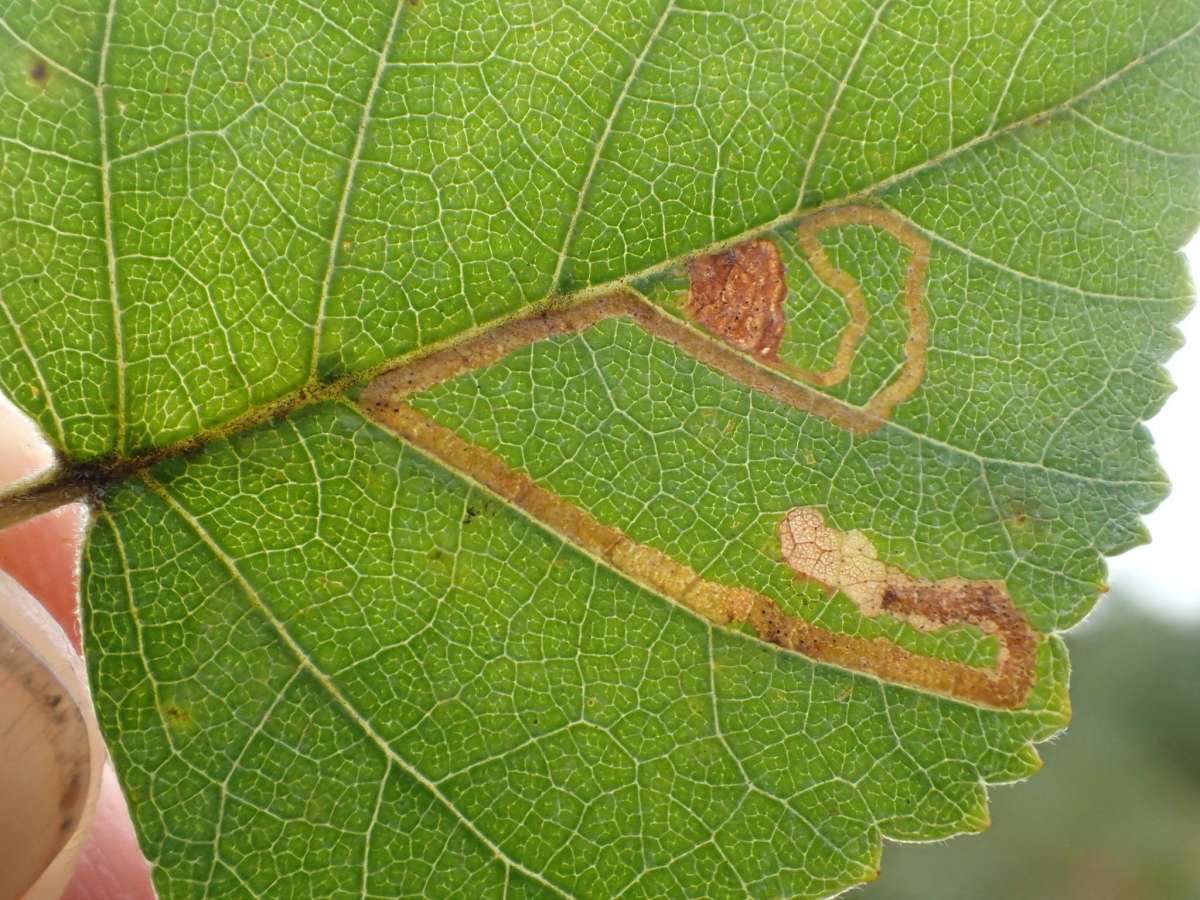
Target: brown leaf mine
{"x":848,"y":562}
{"x":809,"y":233}
{"x":739,"y":294}
{"x":808,"y":545}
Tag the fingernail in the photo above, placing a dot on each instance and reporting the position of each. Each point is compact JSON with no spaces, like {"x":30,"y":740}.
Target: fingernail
{"x":50,"y":750}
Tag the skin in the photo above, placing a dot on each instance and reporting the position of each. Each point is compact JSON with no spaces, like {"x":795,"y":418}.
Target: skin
{"x":43,"y":555}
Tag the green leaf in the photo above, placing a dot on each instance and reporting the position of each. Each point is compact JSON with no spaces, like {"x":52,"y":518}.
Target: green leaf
{"x":588,"y":449}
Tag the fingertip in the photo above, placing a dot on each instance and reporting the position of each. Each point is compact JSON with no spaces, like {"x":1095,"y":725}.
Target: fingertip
{"x":23,"y":451}
{"x":43,"y":555}
{"x":111,"y":864}
{"x":43,"y":552}
{"x":51,"y":753}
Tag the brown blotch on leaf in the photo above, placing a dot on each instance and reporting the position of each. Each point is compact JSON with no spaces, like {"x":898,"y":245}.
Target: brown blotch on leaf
{"x":738,"y":294}
{"x":39,"y":72}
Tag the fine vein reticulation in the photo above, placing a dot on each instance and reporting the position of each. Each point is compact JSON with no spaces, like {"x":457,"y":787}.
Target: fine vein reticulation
{"x":741,"y":302}
{"x":726,"y":288}
{"x":1005,"y":686}
{"x":482,"y":660}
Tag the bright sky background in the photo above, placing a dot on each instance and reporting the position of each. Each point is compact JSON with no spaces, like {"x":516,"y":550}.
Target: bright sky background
{"x":1165,"y":574}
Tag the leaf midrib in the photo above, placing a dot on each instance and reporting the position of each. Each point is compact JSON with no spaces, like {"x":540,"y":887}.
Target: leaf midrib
{"x":71,"y":480}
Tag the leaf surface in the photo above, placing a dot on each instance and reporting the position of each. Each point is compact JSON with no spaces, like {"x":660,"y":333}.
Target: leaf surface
{"x":615,"y":448}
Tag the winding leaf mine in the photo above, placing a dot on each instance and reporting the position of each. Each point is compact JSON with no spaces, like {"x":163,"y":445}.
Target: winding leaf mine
{"x":738,"y":295}
{"x":695,"y":342}
{"x":847,"y":562}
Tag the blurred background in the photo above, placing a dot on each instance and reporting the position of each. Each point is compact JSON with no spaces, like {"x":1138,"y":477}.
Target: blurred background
{"x":1115,"y":814}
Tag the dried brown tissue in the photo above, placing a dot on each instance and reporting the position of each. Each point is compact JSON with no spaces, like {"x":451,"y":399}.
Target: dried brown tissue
{"x":748,"y":349}
{"x":762,"y":373}
{"x":749,"y":280}
{"x":739,"y":296}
